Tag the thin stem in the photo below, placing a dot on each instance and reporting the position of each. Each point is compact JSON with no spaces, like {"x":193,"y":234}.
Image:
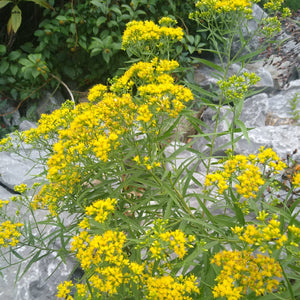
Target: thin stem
{"x":67,"y":88}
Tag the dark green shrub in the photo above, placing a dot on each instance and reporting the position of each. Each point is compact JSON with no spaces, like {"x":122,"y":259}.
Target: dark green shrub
{"x":79,"y":42}
{"x":294,"y":5}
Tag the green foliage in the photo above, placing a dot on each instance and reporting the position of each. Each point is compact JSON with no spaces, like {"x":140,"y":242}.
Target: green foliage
{"x":294,"y":5}
{"x":142,"y":221}
{"x":21,"y":74}
{"x":294,"y":103}
{"x":78,"y":42}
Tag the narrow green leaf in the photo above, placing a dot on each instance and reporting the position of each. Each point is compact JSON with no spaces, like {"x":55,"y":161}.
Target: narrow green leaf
{"x":239,"y":214}
{"x":249,"y":55}
{"x":294,"y":267}
{"x":16,"y":254}
{"x":203,"y":206}
{"x":238,"y":108}
{"x":34,"y":259}
{"x":243,"y":128}
{"x":209,"y":64}
{"x":200,"y":90}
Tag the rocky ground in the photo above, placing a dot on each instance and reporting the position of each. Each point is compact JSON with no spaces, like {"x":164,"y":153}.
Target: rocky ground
{"x":269,"y":113}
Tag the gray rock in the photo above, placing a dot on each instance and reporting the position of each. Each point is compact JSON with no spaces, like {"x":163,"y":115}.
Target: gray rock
{"x":39,"y":282}
{"x":207,"y":77}
{"x":14,"y":170}
{"x":49,"y":103}
{"x":4,"y":193}
{"x":26,"y":125}
{"x":270,"y":116}
{"x":248,"y":31}
{"x":255,"y":110}
{"x":282,"y":139}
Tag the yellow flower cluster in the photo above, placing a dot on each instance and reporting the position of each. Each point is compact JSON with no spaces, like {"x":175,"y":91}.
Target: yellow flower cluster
{"x":235,"y":87}
{"x":49,"y":125}
{"x":167,"y":21}
{"x":267,"y":236}
{"x":64,"y":289}
{"x":3,"y":202}
{"x":295,"y":238}
{"x":246,"y":170}
{"x":145,"y":161}
{"x":148,"y":32}
{"x":156,"y":87}
{"x":97,"y":249}
{"x":101,"y":209}
{"x":6,"y":143}
{"x":111,"y":268}
{"x":96,"y":92}
{"x":269,"y":158}
{"x":97,"y":129}
{"x":163,"y":242}
{"x":271,"y":26}
{"x":208,"y":8}
{"x":295,"y":230}
{"x":9,"y":234}
{"x":143,"y":73}
{"x":167,"y":288}
{"x":243,"y":272}
{"x":104,"y":254}
{"x":21,"y":188}
{"x":273,"y":4}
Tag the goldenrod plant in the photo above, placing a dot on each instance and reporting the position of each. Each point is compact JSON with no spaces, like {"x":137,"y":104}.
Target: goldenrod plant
{"x":124,"y":209}
{"x":226,"y":22}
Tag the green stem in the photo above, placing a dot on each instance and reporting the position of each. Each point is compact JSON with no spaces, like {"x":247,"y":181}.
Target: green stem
{"x":289,"y":286}
{"x":179,"y":196}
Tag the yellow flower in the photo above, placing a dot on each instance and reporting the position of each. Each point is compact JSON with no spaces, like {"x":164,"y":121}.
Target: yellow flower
{"x":208,"y":8}
{"x":144,"y":114}
{"x":167,"y":288}
{"x":96,"y":92}
{"x":148,"y":31}
{"x":296,"y":180}
{"x":166,"y":21}
{"x":84,"y":224}
{"x":9,"y":234}
{"x":242,"y":271}
{"x":101,"y":209}
{"x":21,"y":188}
{"x":165,"y":242}
{"x":246,"y":172}
{"x":267,"y":236}
{"x":3,"y":202}
{"x":262,"y":215}
{"x":64,"y":289}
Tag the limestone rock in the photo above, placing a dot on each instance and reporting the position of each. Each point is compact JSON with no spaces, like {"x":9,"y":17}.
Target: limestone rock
{"x":271,"y":118}
{"x":26,"y":125}
{"x":49,"y":103}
